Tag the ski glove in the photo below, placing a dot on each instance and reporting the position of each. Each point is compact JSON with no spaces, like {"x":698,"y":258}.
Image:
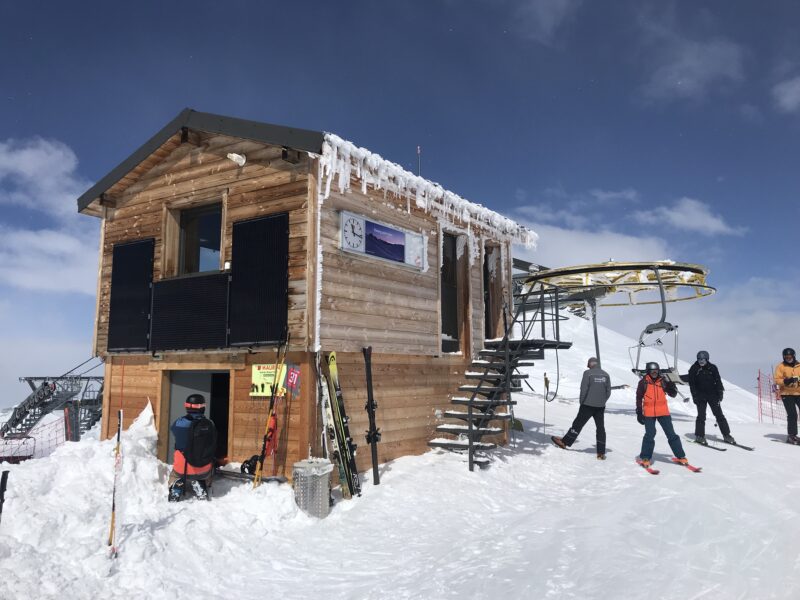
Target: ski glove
{"x":640,"y":417}
{"x":789,"y":380}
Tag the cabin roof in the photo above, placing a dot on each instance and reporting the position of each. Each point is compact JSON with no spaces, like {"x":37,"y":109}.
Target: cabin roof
{"x":278,"y":135}
{"x":340,"y":160}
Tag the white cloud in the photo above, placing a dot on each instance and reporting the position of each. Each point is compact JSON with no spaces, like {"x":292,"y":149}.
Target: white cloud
{"x":680,"y":68}
{"x":540,"y":20}
{"x":786,"y":95}
{"x":688,"y":214}
{"x":560,"y":247}
{"x":575,"y":210}
{"x":48,"y":260}
{"x":40,"y":175}
{"x":627,"y":195}
{"x":546,"y":213}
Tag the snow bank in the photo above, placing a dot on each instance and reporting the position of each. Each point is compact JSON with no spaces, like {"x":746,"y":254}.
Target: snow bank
{"x":539,"y":523}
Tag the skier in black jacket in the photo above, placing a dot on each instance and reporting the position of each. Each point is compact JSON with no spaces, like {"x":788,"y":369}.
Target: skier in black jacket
{"x":707,"y":390}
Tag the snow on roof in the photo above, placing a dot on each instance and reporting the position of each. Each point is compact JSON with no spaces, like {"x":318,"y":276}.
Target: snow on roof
{"x":342,"y":159}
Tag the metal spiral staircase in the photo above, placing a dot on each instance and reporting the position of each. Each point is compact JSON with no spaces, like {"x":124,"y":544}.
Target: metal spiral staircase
{"x":494,"y":376}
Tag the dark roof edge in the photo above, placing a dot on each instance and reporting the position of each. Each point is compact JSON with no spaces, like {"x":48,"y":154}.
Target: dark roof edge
{"x":297,"y":139}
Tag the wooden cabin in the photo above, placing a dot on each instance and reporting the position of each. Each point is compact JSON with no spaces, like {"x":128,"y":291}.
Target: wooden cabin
{"x":222,"y":238}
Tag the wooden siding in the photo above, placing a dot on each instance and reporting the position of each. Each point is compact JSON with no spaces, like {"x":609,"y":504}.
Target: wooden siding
{"x":411,"y":392}
{"x":365,"y":301}
{"x":194,"y":175}
{"x":132,"y":381}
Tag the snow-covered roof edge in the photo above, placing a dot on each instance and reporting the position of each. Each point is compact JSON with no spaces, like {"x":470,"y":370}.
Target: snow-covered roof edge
{"x":342,"y":159}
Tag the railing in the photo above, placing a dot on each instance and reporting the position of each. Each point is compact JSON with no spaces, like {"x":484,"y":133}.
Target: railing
{"x":536,"y":303}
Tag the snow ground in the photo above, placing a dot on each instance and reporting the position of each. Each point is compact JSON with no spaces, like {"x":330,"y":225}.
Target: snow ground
{"x":539,"y":523}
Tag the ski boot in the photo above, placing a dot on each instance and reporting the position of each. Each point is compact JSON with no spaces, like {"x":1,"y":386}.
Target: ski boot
{"x":701,"y":439}
{"x":199,"y":489}
{"x":729,"y":439}
{"x":176,"y":491}
{"x":793,"y":439}
{"x":682,"y":461}
{"x":601,"y":456}
{"x":645,"y":462}
{"x":558,"y":442}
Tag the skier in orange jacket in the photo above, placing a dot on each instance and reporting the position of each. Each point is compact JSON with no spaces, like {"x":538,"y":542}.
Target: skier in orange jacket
{"x":651,"y":406}
{"x":787,"y":377}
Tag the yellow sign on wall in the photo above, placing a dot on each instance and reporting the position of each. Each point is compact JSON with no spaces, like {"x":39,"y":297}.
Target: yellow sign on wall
{"x":263,"y":378}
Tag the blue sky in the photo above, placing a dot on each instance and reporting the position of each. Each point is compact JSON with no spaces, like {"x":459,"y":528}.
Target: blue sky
{"x":625,"y":130}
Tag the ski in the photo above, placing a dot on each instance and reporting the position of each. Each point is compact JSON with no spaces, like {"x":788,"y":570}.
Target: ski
{"x":268,"y":441}
{"x":692,"y":468}
{"x":787,"y":443}
{"x":650,"y":470}
{"x":748,"y":448}
{"x":707,"y":445}
{"x":373,"y":433}
{"x":244,"y":476}
{"x":347,"y":447}
{"x":331,"y":437}
{"x":112,"y":533}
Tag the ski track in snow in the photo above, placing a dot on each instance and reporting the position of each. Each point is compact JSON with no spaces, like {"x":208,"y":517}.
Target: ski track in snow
{"x":541,"y":522}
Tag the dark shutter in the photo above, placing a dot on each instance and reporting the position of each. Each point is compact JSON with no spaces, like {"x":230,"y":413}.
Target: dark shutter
{"x":259,"y":281}
{"x":129,"y":312}
{"x":189,"y":312}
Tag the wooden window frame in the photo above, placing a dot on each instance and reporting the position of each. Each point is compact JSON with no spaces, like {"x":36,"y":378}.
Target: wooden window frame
{"x":172,"y":233}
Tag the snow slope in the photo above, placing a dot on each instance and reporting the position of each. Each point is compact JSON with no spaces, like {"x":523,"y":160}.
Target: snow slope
{"x":539,"y":523}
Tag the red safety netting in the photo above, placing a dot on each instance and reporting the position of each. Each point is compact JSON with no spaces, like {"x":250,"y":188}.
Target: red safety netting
{"x":40,"y":441}
{"x":770,"y":405}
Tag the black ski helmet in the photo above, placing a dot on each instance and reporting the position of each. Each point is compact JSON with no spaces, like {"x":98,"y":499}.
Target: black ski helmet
{"x":652,"y":366}
{"x":788,"y":352}
{"x":195,"y":403}
{"x":592,"y":362}
{"x":702,"y":355}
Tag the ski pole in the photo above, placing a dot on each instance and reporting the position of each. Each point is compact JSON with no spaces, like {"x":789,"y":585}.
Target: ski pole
{"x":117,"y":464}
{"x":3,"y":482}
{"x":373,"y":433}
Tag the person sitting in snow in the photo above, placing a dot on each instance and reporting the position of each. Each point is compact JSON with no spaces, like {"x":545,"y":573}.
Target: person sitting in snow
{"x":595,"y":391}
{"x":707,"y":390}
{"x":651,"y":406}
{"x":787,"y":378}
{"x":195,"y":447}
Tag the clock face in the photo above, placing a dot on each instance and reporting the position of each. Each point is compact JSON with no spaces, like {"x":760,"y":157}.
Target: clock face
{"x":353,"y":233}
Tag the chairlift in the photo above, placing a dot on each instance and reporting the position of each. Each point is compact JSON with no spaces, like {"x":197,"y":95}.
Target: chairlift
{"x":622,"y":284}
{"x":653,"y":336}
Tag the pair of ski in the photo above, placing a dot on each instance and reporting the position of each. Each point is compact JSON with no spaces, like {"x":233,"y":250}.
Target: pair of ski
{"x":342,"y":449}
{"x":674,"y":460}
{"x":717,"y":448}
{"x":270,"y":439}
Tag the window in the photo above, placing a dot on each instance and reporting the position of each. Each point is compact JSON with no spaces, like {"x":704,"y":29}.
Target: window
{"x":200,"y":239}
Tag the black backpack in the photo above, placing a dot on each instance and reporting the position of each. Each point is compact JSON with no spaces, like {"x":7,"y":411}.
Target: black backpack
{"x":202,"y":447}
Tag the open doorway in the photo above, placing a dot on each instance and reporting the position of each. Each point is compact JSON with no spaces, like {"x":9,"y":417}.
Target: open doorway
{"x":214,"y":386}
{"x":453,"y":292}
{"x":492,"y":293}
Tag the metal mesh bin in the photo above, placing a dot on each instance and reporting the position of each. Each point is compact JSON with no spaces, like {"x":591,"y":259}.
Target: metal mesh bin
{"x":311,"y":481}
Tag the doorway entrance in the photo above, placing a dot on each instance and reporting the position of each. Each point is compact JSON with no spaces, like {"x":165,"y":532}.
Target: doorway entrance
{"x":492,"y":293}
{"x":214,"y":386}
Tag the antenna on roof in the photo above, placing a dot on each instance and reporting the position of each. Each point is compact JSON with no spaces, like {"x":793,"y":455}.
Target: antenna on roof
{"x":419,"y":161}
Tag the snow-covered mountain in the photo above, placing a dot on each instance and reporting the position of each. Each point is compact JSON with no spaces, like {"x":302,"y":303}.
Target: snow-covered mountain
{"x":539,"y":523}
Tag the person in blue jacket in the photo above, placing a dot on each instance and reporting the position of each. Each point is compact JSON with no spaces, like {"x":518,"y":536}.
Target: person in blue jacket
{"x":195,"y":446}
